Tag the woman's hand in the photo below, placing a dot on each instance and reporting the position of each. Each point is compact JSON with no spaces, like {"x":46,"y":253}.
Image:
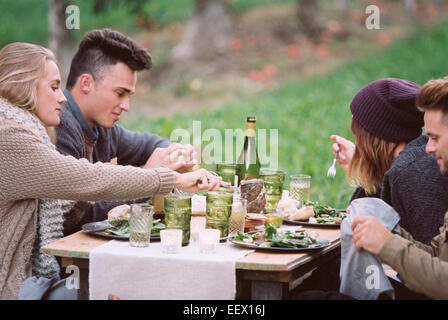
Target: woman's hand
{"x":345,"y":149}
{"x":197,"y":181}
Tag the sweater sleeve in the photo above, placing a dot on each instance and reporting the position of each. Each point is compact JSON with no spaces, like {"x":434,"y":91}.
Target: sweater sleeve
{"x":30,"y":169}
{"x":134,"y":148}
{"x":420,"y":270}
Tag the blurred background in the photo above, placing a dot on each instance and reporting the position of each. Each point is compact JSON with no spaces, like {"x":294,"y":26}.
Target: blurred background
{"x":294,"y":64}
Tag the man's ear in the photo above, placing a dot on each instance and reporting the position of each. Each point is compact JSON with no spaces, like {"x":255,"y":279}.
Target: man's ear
{"x":86,"y":83}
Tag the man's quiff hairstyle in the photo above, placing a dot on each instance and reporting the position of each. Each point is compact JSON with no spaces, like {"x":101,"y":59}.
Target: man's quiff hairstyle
{"x":434,"y":96}
{"x":101,"y":49}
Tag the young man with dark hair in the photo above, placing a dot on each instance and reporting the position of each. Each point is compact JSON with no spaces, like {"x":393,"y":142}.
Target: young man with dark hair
{"x":423,"y":268}
{"x":101,"y":80}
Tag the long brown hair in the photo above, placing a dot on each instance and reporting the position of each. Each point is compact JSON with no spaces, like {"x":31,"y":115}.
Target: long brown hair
{"x":373,"y":157}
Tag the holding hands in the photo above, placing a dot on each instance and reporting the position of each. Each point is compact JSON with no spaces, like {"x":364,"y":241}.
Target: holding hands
{"x":345,"y":149}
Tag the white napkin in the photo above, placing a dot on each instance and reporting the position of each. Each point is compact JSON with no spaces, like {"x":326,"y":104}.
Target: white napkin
{"x":148,"y":273}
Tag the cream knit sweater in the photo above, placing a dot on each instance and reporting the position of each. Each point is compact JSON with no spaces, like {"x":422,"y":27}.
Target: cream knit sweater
{"x":31,"y":170}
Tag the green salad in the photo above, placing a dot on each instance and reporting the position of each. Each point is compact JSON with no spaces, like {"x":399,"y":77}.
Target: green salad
{"x":121,"y":228}
{"x":272,"y":237}
{"x":325,"y":214}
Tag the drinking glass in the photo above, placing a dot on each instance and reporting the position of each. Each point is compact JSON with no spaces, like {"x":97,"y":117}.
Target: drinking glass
{"x":208,"y":240}
{"x":238,"y":216}
{"x":140,"y":224}
{"x":218,"y":210}
{"x":178,"y":215}
{"x":273,"y":184}
{"x":227,"y":171}
{"x":171,"y":240}
{"x":299,"y":188}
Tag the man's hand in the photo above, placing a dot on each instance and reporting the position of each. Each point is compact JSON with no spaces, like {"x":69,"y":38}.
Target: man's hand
{"x":369,"y":234}
{"x":346,"y":150}
{"x":197,"y":181}
{"x":176,"y":157}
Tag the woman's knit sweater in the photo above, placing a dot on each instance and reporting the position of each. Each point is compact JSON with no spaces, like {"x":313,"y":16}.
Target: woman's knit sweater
{"x":31,"y":170}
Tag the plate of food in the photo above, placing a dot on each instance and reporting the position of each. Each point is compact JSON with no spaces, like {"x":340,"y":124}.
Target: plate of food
{"x":277,"y":240}
{"x":313,"y":214}
{"x":117,"y":225}
{"x":119,"y":229}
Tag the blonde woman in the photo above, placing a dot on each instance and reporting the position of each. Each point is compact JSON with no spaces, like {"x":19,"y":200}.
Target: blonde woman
{"x":33,"y":173}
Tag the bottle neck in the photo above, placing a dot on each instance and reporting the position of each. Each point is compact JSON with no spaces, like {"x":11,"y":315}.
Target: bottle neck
{"x":250,"y":129}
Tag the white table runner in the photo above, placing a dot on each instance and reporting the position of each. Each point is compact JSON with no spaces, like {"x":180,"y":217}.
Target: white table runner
{"x":148,"y":273}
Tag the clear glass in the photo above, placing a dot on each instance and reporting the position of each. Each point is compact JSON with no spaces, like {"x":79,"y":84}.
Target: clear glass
{"x":218,"y":210}
{"x":273,"y":184}
{"x":208,"y":240}
{"x":299,"y":188}
{"x":238,"y":216}
{"x":171,"y":240}
{"x":178,"y":215}
{"x":140,"y":224}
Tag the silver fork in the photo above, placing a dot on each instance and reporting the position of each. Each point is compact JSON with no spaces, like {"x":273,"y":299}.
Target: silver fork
{"x":332,"y":170}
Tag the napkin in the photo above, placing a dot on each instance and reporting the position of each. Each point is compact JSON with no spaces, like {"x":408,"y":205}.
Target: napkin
{"x":149,"y":273}
{"x":362,"y":274}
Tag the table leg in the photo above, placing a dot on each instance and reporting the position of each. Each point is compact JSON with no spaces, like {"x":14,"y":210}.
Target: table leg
{"x":269,"y":290}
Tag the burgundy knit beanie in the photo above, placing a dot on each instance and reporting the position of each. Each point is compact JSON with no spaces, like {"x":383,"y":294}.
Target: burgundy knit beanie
{"x":386,"y":109}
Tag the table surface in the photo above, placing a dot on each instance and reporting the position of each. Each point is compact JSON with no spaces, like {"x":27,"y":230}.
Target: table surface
{"x":79,"y":245}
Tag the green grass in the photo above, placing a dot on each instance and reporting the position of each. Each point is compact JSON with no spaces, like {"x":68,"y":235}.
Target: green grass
{"x":306,"y":113}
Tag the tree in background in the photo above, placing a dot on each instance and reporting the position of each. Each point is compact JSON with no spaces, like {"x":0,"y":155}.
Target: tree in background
{"x":309,"y":18}
{"x":207,"y":34}
{"x":62,"y":40}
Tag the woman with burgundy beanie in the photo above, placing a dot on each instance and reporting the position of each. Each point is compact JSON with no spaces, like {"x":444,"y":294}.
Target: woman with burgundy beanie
{"x":388,"y":159}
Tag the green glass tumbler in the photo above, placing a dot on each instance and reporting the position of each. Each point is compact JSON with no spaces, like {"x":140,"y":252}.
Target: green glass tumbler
{"x":273,"y":184}
{"x":218,"y":210}
{"x":178,"y":215}
{"x":227,"y":171}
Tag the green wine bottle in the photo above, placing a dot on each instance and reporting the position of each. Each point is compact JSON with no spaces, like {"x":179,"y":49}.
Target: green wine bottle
{"x":248,"y":164}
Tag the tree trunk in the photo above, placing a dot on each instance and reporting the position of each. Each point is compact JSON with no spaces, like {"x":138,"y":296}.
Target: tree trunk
{"x":207,"y":33}
{"x":309,"y":18}
{"x":61,"y":38}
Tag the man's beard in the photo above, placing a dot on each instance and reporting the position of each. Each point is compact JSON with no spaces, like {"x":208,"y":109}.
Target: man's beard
{"x":444,"y":170}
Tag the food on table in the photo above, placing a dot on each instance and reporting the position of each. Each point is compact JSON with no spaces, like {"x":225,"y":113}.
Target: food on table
{"x":253,"y":220}
{"x":275,"y":219}
{"x":272,"y":237}
{"x":122,"y":212}
{"x":121,"y":228}
{"x":254,"y":192}
{"x":302,"y":214}
{"x":325,"y":214}
{"x":313,"y":212}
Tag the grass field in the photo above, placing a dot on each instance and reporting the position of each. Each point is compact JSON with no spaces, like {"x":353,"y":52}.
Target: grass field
{"x":306,"y":113}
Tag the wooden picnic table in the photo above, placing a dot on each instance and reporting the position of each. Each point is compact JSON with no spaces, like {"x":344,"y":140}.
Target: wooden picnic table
{"x":259,"y":275}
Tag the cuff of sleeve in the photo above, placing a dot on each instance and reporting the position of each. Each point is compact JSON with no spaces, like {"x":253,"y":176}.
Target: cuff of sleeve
{"x":390,"y":249}
{"x":166,"y":180}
